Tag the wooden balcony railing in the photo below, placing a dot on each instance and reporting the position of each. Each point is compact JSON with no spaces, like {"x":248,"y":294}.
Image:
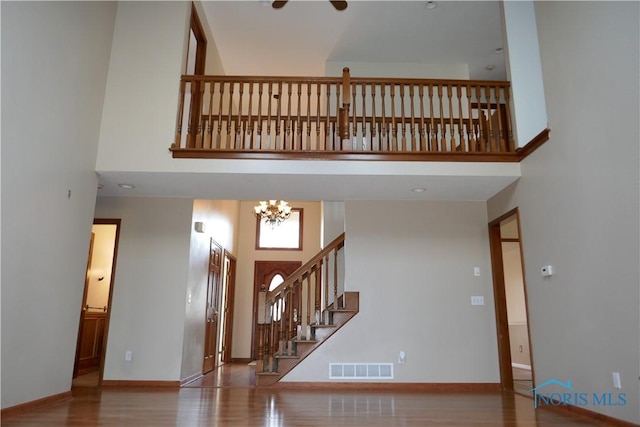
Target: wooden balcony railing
{"x":343,"y":118}
{"x":298,"y":306}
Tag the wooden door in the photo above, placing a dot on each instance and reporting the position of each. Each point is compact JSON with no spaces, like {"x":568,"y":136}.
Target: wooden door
{"x":213,"y":307}
{"x":265,"y":271}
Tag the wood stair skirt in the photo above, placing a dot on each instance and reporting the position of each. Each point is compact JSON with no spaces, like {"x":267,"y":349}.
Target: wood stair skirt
{"x":301,"y":348}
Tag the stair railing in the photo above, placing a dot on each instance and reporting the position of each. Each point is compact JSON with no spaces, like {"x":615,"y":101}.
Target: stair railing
{"x":287,"y":313}
{"x":348,"y":117}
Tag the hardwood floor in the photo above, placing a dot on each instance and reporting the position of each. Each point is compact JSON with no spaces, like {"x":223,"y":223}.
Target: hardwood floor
{"x":226,"y":399}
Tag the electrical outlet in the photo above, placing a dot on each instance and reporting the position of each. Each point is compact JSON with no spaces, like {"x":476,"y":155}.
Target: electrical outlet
{"x":128,"y":356}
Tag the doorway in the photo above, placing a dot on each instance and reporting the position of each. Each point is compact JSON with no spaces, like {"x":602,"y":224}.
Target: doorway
{"x":265,"y":273}
{"x":512,"y":314}
{"x":96,"y":302}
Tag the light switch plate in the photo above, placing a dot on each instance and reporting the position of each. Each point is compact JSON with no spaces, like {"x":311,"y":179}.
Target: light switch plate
{"x":477,"y":300}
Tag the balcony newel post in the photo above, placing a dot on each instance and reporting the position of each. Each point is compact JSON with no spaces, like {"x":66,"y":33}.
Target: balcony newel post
{"x":346,"y":101}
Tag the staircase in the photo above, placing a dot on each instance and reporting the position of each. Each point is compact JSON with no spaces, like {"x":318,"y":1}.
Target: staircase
{"x":302,"y":313}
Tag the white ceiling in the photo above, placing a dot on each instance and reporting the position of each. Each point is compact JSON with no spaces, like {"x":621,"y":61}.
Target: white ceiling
{"x":297,"y":40}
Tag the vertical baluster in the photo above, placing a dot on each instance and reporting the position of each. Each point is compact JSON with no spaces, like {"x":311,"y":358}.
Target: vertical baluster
{"x":337,"y":137}
{"x":237,"y":140}
{"x":491,"y":136}
{"x":470,"y":133}
{"x":463,"y":142}
{"x":327,"y":126}
{"x":259,"y":124}
{"x":270,"y":90}
{"x":278,"y":116}
{"x":375,"y":143}
{"x":199,"y":104}
{"x":335,"y":280}
{"x":309,"y":304}
{"x":299,"y":301}
{"x":403,"y":122}
{"x":434,"y":134}
{"x":509,"y":134}
{"x":394,"y":132}
{"x":249,"y":142}
{"x":319,"y":145}
{"x":308,"y":144}
{"x":325,"y":284}
{"x":317,"y":286}
{"x":363,"y":118}
{"x":443,"y":129}
{"x":298,"y":141}
{"x":190,"y":124}
{"x":384,"y":136}
{"x":219,"y":127}
{"x":354,"y":122}
{"x":209,"y":127}
{"x":452,"y":132}
{"x":288,"y":142}
{"x":482,"y":122}
{"x":283,"y":331}
{"x":413,"y":119}
{"x":229,"y":113}
{"x":177,"y":143}
{"x":423,"y":137}
{"x":502,"y":146}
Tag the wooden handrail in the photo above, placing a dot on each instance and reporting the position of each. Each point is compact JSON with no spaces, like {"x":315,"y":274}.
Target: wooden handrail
{"x":336,"y":244}
{"x":338,"y":117}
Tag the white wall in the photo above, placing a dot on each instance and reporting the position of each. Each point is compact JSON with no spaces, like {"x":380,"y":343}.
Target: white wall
{"x":404,"y":70}
{"x":413,"y":263}
{"x":147,"y":59}
{"x":220,"y":218}
{"x":150,"y":287}
{"x":248,"y":255}
{"x":54,"y":65}
{"x":523,"y":70}
{"x":579,"y":202}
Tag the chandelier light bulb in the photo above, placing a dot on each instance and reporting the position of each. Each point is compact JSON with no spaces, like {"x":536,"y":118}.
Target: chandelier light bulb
{"x":273,"y":212}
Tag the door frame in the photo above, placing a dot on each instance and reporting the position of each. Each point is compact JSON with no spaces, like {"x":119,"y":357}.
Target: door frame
{"x":284,"y":268}
{"x":500,"y":300}
{"x":101,"y":221}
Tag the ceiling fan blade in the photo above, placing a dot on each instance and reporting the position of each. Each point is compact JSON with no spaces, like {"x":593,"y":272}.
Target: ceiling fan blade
{"x":339,"y":5}
{"x":279,"y":4}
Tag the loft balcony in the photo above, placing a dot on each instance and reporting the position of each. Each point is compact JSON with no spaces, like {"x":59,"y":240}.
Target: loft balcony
{"x":344,"y":118}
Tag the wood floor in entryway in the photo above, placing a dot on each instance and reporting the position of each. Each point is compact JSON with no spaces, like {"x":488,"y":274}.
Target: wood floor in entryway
{"x":226,"y":399}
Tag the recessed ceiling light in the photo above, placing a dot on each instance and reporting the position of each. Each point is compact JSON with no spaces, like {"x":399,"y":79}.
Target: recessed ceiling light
{"x":431,"y":4}
{"x":419,"y":190}
{"x":490,"y":67}
{"x":498,"y":50}
{"x":127,"y":186}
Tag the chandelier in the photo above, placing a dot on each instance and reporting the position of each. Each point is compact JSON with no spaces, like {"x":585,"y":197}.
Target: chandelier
{"x":273,"y":211}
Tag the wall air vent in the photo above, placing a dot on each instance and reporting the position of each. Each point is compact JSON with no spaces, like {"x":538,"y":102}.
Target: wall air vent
{"x":361,"y":371}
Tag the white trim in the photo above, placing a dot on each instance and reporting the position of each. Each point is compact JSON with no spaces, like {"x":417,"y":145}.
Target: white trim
{"x":521,"y":366}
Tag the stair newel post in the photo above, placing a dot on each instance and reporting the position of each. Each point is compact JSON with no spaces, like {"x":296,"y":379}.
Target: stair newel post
{"x":262,"y":327}
{"x":346,"y":101}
